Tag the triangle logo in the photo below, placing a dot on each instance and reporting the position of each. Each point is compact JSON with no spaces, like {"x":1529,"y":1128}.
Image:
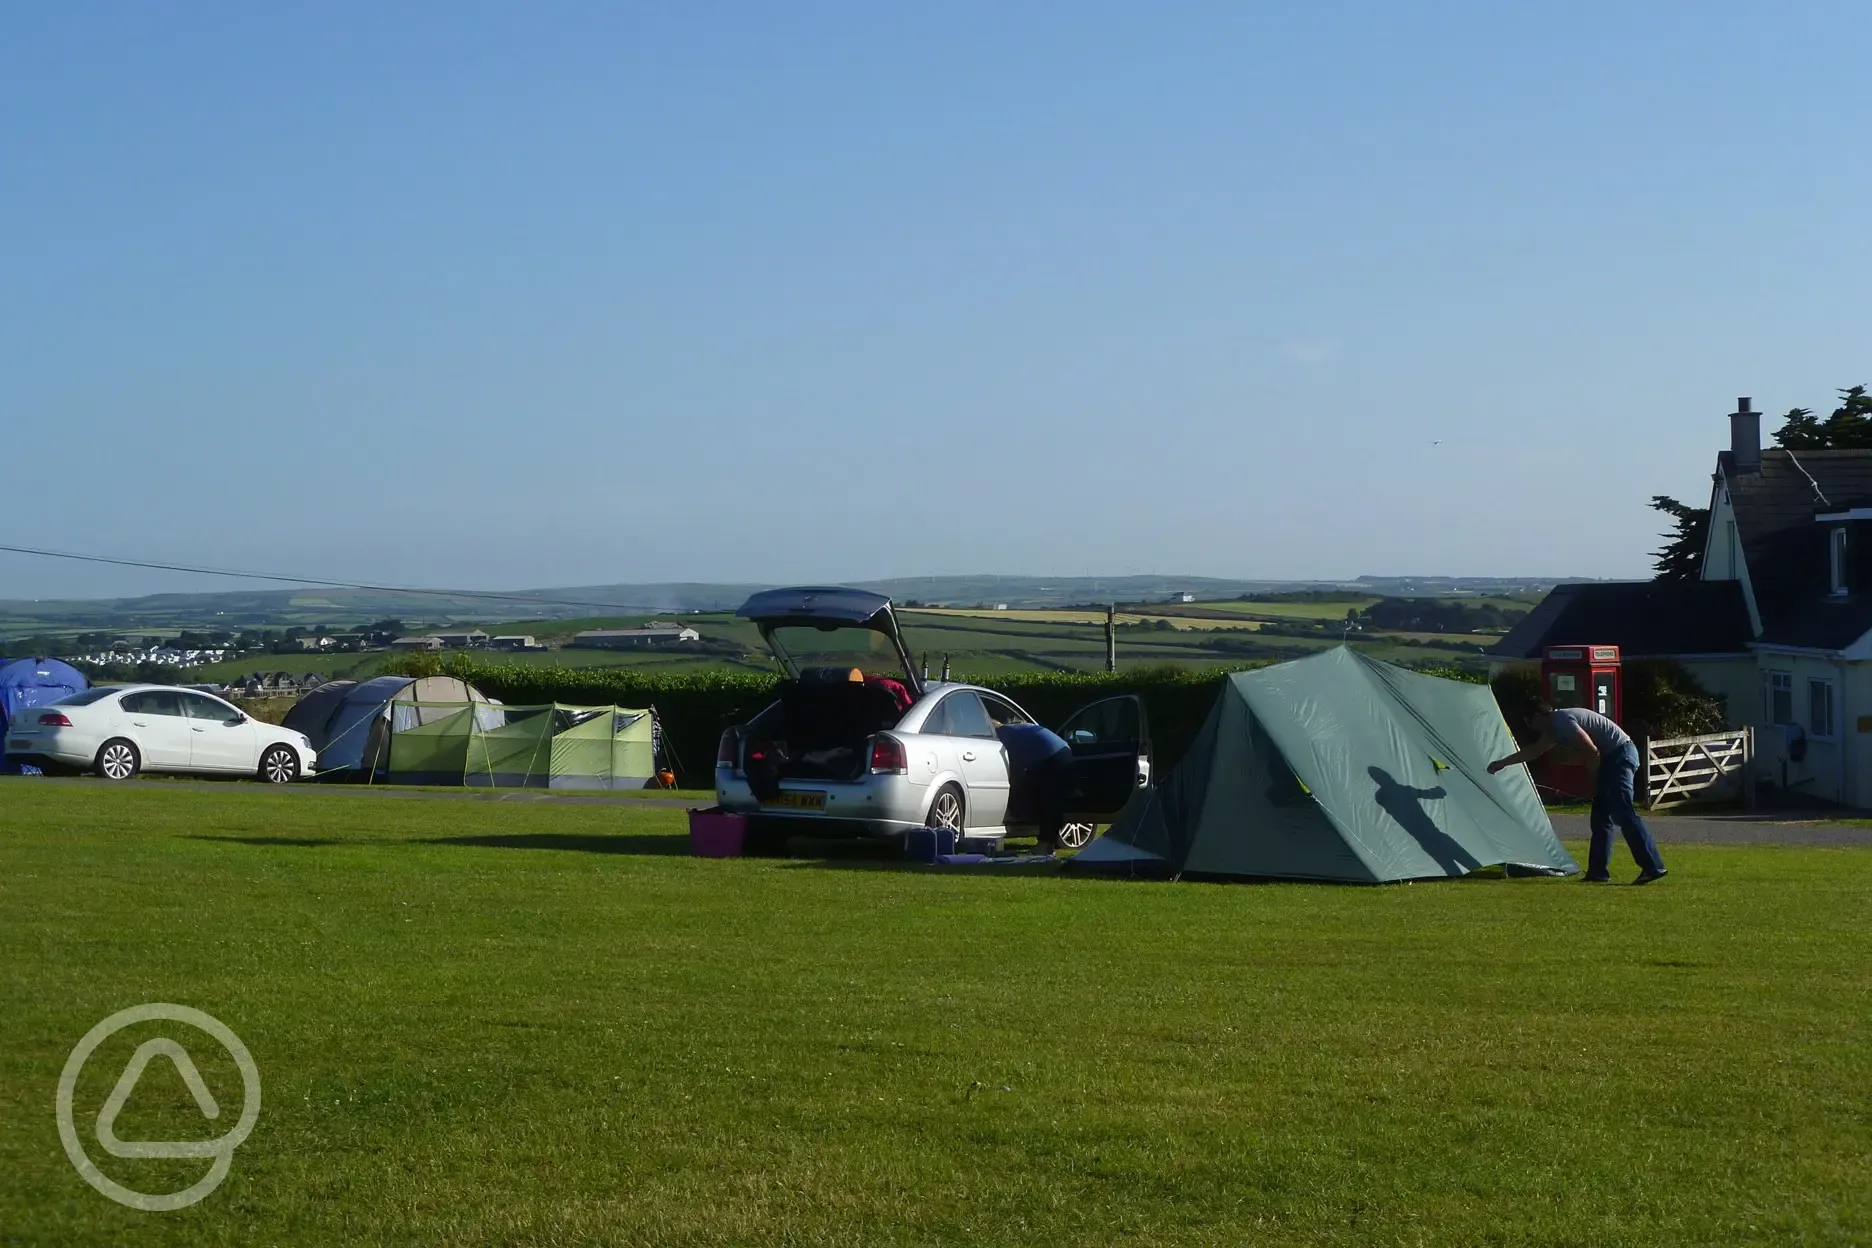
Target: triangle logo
{"x":126,"y":1084}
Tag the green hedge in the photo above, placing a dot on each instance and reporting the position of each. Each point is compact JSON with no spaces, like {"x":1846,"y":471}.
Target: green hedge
{"x":695,"y":707}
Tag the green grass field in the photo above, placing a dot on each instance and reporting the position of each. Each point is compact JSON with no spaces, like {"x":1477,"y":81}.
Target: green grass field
{"x":530,"y":1023}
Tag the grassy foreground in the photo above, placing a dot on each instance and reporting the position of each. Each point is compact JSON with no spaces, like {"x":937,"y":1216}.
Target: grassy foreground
{"x":544,"y":1024}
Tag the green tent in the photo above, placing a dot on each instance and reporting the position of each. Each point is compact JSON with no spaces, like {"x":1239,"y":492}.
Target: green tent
{"x":552,"y":746}
{"x":1339,"y":767}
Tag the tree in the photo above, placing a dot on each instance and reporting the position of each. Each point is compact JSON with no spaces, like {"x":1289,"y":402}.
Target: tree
{"x":1849,"y":427}
{"x":1681,"y":557}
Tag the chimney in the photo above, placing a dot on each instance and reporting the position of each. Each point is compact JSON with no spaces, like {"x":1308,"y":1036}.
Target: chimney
{"x":1745,"y":437}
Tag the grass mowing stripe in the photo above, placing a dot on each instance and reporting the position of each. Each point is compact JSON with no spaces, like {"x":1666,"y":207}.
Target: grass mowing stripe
{"x":547,"y":1024}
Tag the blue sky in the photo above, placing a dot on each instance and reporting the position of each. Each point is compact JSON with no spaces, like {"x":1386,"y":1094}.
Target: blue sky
{"x":497,"y":295}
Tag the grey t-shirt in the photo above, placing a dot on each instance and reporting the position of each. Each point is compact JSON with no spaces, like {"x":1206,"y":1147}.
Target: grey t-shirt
{"x":1606,"y":735}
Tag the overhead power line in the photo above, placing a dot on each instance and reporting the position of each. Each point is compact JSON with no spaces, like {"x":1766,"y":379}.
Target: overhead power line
{"x":320,"y":582}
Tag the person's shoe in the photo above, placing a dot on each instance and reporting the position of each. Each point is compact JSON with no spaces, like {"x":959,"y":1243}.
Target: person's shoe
{"x":1595,"y":879}
{"x":1645,"y":877}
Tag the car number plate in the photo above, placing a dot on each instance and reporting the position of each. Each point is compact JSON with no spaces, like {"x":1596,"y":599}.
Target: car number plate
{"x":796,"y":801}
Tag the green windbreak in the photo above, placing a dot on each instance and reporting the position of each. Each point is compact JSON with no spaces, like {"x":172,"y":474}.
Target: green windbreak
{"x":484,"y":744}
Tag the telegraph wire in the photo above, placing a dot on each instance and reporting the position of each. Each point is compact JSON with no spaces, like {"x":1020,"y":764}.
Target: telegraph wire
{"x":319,"y":582}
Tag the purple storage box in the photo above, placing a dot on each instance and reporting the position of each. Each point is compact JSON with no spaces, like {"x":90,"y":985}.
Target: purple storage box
{"x":713,"y":834}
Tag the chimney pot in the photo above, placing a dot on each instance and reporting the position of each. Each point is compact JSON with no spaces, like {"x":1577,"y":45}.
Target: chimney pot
{"x":1745,"y":437}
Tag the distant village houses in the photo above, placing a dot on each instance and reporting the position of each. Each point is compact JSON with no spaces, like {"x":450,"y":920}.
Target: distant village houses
{"x":649,"y":635}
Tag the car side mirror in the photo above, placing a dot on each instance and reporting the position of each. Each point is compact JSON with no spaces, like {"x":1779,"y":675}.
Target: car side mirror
{"x":236,"y":722}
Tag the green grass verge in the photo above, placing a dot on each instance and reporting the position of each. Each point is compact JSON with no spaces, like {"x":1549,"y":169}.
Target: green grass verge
{"x":545,"y":1024}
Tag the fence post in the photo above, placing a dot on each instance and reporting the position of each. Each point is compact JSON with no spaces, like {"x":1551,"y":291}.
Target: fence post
{"x":1644,"y":770}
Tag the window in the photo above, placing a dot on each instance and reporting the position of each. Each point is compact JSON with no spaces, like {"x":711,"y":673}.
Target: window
{"x":1838,"y":548}
{"x":1001,"y":711}
{"x":1735,"y":560}
{"x":1780,"y":697}
{"x":1820,"y":708}
{"x":966,"y":717}
{"x":85,"y":697}
{"x":201,"y":707}
{"x":153,"y":702}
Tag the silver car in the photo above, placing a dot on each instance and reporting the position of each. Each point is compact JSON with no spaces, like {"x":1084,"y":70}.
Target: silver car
{"x":858,"y":744}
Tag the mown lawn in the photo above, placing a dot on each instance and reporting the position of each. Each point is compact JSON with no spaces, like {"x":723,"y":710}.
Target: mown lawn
{"x":512,"y":1023}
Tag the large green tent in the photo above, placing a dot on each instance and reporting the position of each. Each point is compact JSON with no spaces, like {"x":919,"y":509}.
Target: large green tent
{"x":1339,"y":767}
{"x":552,"y":746}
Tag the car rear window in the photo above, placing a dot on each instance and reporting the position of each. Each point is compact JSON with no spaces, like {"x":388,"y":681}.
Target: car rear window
{"x":85,"y":697}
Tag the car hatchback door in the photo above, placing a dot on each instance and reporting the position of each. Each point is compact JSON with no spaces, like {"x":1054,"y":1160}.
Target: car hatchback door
{"x":158,"y":728}
{"x":220,"y":737}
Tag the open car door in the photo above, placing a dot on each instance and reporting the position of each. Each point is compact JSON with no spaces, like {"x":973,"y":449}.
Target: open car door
{"x":1110,"y":742}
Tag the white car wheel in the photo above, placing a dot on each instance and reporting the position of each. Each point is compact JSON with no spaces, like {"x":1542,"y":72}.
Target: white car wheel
{"x":1076,"y":835}
{"x":118,"y":760}
{"x":279,"y":765}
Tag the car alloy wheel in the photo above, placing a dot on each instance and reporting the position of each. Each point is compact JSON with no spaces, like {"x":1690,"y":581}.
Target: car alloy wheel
{"x":946,"y":811}
{"x":279,"y":765}
{"x":117,"y":760}
{"x":1076,"y":835}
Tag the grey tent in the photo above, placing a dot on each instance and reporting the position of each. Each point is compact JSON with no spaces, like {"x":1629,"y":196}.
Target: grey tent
{"x":349,"y":724}
{"x":1339,"y":767}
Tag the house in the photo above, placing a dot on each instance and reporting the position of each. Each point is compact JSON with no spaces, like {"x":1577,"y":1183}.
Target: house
{"x":1780,"y":621}
{"x":473,"y":639}
{"x":630,"y":638}
{"x":417,"y":643}
{"x":523,"y":641}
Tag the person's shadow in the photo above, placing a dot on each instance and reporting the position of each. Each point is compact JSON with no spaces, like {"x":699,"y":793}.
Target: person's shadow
{"x":1405,"y":805}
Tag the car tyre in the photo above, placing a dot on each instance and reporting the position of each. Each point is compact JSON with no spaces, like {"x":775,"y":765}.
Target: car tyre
{"x":1076,"y":835}
{"x":118,"y":759}
{"x":947,"y":810}
{"x":279,"y":765}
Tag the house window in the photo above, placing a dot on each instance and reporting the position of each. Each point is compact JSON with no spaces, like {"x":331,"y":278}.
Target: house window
{"x":1780,"y":697}
{"x":1735,"y":560}
{"x":1838,"y":548}
{"x":1820,"y":708}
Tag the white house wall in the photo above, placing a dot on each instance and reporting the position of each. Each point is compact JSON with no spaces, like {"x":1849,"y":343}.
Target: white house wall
{"x":1833,"y":767}
{"x":1723,"y":559}
{"x":1736,"y":680}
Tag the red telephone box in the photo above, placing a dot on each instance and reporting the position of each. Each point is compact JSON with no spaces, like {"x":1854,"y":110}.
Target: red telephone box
{"x":1587,"y":676}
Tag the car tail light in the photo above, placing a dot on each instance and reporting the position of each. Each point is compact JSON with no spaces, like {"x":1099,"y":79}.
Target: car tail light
{"x":728,"y":753}
{"x":55,"y":719}
{"x":889,"y":757}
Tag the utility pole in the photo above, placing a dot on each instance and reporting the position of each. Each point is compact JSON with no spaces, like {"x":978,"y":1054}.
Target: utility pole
{"x":1111,"y":638}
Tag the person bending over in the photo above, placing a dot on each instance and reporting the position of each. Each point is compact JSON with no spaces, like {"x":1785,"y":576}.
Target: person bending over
{"x":1614,"y":760}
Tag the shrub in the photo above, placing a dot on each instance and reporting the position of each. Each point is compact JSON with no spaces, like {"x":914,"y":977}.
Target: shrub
{"x":694,"y":707}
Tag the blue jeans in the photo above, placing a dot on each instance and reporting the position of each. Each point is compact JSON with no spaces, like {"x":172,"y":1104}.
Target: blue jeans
{"x":1612,"y":804}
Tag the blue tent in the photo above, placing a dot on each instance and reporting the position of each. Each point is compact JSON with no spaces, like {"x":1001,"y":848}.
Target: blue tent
{"x":33,"y":682}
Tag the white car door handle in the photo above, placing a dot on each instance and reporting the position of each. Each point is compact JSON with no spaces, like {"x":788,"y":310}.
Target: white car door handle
{"x":968,"y":756}
{"x":198,"y":729}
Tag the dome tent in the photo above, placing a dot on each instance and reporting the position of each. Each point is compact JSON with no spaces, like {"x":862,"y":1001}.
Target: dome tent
{"x":1339,"y":767}
{"x":349,"y":723}
{"x":33,"y":682}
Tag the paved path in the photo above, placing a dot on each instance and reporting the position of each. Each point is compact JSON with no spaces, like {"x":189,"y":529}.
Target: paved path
{"x":1729,"y":830}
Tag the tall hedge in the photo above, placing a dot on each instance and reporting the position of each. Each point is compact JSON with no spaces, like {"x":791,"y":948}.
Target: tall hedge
{"x":694,"y":707}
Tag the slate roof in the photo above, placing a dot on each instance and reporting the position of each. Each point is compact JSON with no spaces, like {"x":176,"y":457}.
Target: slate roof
{"x":1645,"y":619}
{"x":1788,"y":556}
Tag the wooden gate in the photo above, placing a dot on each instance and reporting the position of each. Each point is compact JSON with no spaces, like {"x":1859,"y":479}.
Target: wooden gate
{"x":1702,"y":768}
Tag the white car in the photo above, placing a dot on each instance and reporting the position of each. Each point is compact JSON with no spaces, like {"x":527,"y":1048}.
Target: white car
{"x":120,"y":730}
